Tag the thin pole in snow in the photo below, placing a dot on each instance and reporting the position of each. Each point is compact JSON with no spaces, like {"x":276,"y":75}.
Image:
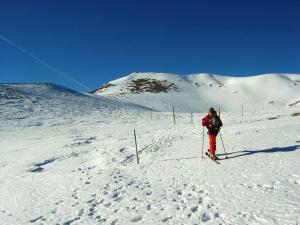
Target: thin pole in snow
{"x":136,"y":149}
{"x":174,"y":114}
{"x":223,"y":145}
{"x":242,"y":110}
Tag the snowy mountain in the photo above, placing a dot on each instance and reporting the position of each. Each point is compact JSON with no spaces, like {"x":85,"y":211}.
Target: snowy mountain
{"x":38,"y":100}
{"x":196,"y":92}
{"x":70,"y":158}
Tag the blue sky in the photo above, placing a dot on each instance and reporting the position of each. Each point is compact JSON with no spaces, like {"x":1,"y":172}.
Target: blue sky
{"x":98,"y":41}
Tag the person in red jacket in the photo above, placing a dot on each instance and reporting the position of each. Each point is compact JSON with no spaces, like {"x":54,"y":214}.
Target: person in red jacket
{"x":213,"y":123}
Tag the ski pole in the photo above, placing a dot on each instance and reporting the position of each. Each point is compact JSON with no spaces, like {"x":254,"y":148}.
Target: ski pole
{"x":223,"y":145}
{"x":202,"y":140}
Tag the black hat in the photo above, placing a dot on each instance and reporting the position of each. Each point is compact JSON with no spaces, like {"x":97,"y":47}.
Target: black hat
{"x":212,"y":109}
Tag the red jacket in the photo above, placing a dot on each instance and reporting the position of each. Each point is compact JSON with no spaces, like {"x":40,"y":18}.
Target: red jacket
{"x":206,"y":122}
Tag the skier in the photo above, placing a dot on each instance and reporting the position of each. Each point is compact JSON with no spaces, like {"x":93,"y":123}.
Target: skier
{"x":213,"y":123}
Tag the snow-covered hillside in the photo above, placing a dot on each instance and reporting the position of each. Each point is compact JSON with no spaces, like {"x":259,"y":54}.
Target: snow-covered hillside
{"x":26,"y":101}
{"x":69,"y":158}
{"x":195,"y":93}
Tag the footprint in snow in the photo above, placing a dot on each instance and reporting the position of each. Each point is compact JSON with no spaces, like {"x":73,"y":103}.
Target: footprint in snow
{"x":36,"y":219}
{"x":167,"y":219}
{"x":136,"y":219}
{"x":194,"y":209}
{"x":205,"y":217}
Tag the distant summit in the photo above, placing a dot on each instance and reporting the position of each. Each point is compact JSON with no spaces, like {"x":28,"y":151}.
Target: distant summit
{"x":143,"y":85}
{"x":195,"y":92}
{"x":25,"y":90}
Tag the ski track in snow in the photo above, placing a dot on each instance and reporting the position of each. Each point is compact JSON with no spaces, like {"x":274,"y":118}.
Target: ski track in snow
{"x":66,"y":168}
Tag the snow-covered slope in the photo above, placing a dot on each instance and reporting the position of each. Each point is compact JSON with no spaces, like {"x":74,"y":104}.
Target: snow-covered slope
{"x":69,"y":158}
{"x":20,"y":101}
{"x":196,"y":92}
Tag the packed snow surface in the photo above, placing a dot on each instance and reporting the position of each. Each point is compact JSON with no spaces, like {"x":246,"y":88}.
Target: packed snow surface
{"x":68,"y":158}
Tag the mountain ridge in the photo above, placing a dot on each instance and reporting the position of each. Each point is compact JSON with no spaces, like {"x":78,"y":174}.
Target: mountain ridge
{"x":278,"y":89}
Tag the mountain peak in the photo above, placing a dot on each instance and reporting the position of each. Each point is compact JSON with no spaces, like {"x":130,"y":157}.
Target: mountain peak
{"x":195,"y":92}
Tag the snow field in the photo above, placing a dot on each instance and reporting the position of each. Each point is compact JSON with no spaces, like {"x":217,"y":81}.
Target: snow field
{"x":81,"y":169}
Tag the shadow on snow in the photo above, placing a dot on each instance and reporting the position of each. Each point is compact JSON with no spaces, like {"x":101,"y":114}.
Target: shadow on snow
{"x":232,"y":155}
{"x":177,"y":159}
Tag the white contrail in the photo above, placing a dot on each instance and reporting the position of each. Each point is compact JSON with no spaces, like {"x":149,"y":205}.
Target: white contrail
{"x":42,"y":62}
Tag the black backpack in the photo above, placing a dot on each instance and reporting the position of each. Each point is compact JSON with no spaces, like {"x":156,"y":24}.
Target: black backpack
{"x":215,"y":121}
{"x":216,"y":124}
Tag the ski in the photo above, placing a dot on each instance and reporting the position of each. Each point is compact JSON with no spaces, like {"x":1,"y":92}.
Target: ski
{"x":216,"y":161}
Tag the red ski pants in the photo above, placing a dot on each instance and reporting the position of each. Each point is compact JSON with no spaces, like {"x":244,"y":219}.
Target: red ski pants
{"x":212,"y":144}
